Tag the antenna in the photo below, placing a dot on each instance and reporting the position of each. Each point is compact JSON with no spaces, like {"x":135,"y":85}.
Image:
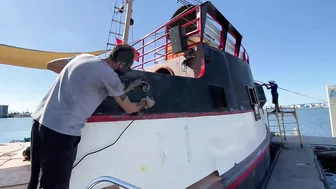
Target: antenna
{"x":127,"y":21}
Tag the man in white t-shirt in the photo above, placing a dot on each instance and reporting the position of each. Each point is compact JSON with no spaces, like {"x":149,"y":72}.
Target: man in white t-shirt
{"x":83,"y":83}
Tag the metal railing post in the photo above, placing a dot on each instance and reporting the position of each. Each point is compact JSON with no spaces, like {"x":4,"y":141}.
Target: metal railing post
{"x":111,"y":180}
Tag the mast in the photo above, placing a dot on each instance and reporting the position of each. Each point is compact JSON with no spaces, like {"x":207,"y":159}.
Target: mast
{"x":127,"y":21}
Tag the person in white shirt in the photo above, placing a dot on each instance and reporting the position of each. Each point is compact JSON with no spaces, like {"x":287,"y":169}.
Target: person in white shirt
{"x":83,"y":83}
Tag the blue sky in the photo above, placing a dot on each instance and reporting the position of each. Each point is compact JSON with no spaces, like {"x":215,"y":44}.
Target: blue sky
{"x":292,"y":42}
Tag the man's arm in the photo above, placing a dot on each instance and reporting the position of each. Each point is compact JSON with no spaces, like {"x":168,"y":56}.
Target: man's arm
{"x":114,"y":87}
{"x":267,"y":86}
{"x":128,"y":106}
{"x":58,"y":64}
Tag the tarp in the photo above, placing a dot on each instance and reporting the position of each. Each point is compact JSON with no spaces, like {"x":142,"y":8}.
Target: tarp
{"x":29,"y":58}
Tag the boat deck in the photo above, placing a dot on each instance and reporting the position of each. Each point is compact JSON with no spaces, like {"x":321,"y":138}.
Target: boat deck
{"x":296,"y":167}
{"x":14,"y":171}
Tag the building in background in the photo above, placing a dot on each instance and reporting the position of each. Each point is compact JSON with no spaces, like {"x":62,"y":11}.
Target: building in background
{"x":3,"y":111}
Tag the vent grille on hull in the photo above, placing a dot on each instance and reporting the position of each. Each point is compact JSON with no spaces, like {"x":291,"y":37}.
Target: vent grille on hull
{"x":219,"y":98}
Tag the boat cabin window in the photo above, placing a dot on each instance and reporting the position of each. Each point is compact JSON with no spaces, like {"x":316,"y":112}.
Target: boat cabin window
{"x":254,"y":102}
{"x":253,"y":96}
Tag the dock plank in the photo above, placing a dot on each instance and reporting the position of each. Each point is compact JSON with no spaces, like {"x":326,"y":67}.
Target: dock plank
{"x":13,"y":170}
{"x":296,"y":167}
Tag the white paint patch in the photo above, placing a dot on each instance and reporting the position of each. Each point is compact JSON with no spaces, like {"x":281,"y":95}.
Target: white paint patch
{"x":187,"y":143}
{"x":167,"y":153}
{"x":163,"y":153}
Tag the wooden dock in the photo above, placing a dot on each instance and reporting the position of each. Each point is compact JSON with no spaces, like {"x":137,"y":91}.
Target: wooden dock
{"x":296,"y":167}
{"x":14,"y":171}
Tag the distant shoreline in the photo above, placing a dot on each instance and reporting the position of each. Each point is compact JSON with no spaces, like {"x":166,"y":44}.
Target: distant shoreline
{"x":288,"y":107}
{"x":23,"y":116}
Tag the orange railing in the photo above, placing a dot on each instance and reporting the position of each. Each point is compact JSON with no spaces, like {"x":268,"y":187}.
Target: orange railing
{"x":155,"y":47}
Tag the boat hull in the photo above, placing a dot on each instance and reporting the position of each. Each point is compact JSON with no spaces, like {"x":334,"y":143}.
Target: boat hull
{"x":174,"y":152}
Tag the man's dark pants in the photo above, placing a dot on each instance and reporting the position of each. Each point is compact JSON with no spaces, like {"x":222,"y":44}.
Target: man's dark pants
{"x":54,"y":153}
{"x":275,"y":100}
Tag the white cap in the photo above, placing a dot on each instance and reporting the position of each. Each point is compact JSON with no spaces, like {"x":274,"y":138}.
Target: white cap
{"x":272,"y":82}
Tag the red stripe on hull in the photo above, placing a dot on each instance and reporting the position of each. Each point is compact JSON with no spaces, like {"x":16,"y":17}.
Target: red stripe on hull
{"x":107,"y":118}
{"x":242,"y":177}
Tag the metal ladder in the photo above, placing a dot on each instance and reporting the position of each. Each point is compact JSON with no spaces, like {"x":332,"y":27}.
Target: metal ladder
{"x":282,"y":122}
{"x":117,"y":24}
{"x":113,"y":180}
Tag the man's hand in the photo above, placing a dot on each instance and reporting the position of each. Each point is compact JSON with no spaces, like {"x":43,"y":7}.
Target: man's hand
{"x":130,"y":107}
{"x":149,"y":102}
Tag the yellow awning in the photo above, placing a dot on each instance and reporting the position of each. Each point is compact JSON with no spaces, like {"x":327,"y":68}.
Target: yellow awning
{"x":29,"y":58}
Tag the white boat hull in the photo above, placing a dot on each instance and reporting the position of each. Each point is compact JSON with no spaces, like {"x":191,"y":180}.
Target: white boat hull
{"x":167,"y":153}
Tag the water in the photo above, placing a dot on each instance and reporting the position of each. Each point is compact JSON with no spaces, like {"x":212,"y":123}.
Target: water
{"x":14,"y":128}
{"x":313,"y":122}
{"x":331,"y":179}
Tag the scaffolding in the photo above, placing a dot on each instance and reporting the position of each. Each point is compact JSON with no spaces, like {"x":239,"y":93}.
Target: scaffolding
{"x":284,"y":118}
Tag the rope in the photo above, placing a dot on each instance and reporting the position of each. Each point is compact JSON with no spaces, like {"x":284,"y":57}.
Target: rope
{"x":9,"y":159}
{"x":8,"y":153}
{"x":295,"y":92}
{"x":14,"y":185}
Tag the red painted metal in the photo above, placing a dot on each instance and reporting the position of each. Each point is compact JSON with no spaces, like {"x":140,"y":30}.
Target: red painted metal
{"x":249,"y":170}
{"x":236,"y":49}
{"x":166,"y":47}
{"x":199,"y":23}
{"x":105,"y":118}
{"x":145,"y":45}
{"x":165,"y":35}
{"x":202,"y":70}
{"x":153,"y":59}
{"x":143,"y":50}
{"x":245,"y":55}
{"x":171,"y":21}
{"x":157,"y":48}
{"x":190,"y":22}
{"x":163,"y":46}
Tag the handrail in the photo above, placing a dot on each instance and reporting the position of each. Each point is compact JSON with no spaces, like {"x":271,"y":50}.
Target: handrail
{"x":157,"y":42}
{"x":160,"y":43}
{"x":113,"y":180}
{"x":169,"y":22}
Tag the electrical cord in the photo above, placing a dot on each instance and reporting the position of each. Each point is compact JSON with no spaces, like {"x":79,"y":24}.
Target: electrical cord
{"x":101,"y":149}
